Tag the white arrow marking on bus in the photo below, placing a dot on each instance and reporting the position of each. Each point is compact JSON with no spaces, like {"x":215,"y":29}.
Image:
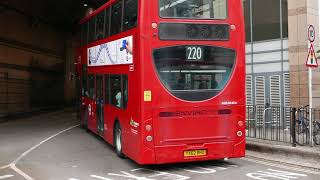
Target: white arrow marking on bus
{"x":6,"y":176}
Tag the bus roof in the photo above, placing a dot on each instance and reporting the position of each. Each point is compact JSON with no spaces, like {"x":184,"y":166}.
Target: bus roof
{"x":97,"y":11}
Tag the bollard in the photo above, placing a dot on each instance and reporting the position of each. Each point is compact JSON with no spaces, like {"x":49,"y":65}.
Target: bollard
{"x":293,"y":126}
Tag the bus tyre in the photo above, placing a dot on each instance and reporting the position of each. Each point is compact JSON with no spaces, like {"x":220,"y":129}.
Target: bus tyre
{"x":117,"y":139}
{"x":84,"y":123}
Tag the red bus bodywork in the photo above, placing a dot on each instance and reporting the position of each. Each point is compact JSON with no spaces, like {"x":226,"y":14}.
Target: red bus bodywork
{"x":215,"y":125}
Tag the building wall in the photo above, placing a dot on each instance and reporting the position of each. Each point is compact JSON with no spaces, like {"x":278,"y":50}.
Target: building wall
{"x":32,"y":63}
{"x":302,"y":13}
{"x":267,"y":52}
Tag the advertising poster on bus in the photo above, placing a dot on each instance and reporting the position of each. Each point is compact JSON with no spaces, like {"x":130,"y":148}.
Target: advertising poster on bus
{"x":112,"y":53}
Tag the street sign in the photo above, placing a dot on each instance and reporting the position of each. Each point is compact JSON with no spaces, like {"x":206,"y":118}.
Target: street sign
{"x":312,"y":59}
{"x":311,"y":33}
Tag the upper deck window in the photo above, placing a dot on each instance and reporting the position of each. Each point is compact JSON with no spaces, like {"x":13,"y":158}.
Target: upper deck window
{"x":194,"y":9}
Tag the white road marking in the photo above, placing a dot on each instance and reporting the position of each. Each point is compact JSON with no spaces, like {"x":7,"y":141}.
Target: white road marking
{"x":199,"y":170}
{"x":161,"y":174}
{"x":100,"y":177}
{"x":13,"y":164}
{"x":6,"y":176}
{"x":17,"y":170}
{"x":274,"y":174}
{"x":4,"y":167}
{"x":129,"y":175}
{"x":44,"y":141}
{"x":73,"y":179}
{"x":281,"y":166}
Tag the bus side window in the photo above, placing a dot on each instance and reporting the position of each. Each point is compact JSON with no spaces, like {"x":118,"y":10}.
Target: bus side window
{"x":100,"y":26}
{"x":116,"y":94}
{"x":92,"y":29}
{"x":130,"y":14}
{"x":91,"y":86}
{"x":116,"y":16}
{"x":107,"y":99}
{"x":107,"y":23}
{"x":125,"y":91}
{"x":84,"y":34}
{"x":84,"y":82}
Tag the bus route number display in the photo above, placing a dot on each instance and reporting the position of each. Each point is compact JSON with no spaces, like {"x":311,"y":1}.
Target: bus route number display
{"x":194,"y":53}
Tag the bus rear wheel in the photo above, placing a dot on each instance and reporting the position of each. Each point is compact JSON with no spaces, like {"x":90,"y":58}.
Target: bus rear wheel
{"x":117,"y":140}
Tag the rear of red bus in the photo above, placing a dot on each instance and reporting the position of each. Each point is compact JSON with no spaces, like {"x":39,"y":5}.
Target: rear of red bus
{"x":193,"y":80}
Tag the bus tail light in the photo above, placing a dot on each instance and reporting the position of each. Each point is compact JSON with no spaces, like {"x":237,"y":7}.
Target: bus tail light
{"x":240,"y":123}
{"x":148,"y":128}
{"x":239,"y":133}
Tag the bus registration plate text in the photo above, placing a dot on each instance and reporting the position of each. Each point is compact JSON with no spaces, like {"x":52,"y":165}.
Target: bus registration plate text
{"x":194,"y":153}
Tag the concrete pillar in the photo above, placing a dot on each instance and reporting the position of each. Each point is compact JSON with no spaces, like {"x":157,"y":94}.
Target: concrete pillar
{"x":69,"y":84}
{"x":302,"y":13}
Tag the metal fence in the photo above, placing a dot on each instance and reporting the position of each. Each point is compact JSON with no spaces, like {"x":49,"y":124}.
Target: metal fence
{"x":284,"y":124}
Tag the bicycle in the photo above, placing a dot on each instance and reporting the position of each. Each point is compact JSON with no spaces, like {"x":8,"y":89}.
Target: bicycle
{"x":302,"y":126}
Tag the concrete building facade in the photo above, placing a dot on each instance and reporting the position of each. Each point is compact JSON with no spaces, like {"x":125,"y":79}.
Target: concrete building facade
{"x":276,"y":52}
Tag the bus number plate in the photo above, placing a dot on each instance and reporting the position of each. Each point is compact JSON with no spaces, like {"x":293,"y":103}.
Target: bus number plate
{"x":194,"y":53}
{"x":194,"y":153}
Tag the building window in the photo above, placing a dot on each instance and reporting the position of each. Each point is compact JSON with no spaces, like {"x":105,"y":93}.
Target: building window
{"x":116,"y":17}
{"x":247,"y":12}
{"x":130,"y":14}
{"x":284,"y":18}
{"x":266,"y":19}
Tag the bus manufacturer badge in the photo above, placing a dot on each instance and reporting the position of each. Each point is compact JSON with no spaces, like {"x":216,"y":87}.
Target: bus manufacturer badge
{"x":147,"y":96}
{"x":133,"y":123}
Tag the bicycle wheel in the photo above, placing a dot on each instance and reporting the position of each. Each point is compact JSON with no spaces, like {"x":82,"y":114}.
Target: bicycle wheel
{"x":316,"y":133}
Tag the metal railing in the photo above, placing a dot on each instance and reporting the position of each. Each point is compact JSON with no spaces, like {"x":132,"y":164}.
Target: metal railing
{"x":284,"y":124}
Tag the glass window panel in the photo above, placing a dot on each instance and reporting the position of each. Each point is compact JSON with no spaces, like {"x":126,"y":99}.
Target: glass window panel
{"x":107,"y":99}
{"x":130,"y":14}
{"x":116,"y":16}
{"x":116,"y":94}
{"x":107,"y":23}
{"x":84,"y":34}
{"x":125,"y":91}
{"x":194,"y":9}
{"x":194,"y":73}
{"x":100,"y":26}
{"x":246,"y":9}
{"x":91,"y":86}
{"x":284,"y":18}
{"x":84,"y":81}
{"x":92,"y":27}
{"x":266,"y":19}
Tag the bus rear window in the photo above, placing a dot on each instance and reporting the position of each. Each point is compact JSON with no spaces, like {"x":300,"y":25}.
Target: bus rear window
{"x":193,"y":9}
{"x":194,"y":72}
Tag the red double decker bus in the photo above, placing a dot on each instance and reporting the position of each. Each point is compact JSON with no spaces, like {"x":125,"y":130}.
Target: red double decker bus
{"x":163,"y":81}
